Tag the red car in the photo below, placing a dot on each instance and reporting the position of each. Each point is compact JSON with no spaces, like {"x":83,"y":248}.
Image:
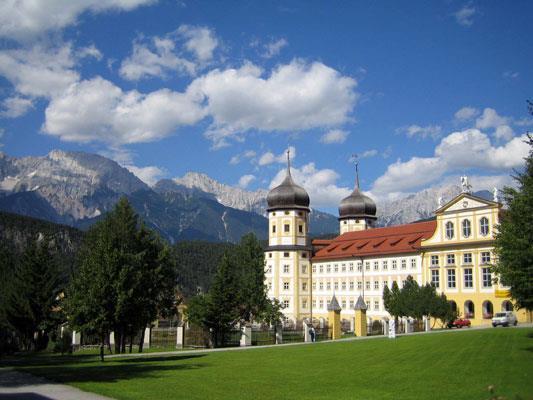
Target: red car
{"x":459,"y":323}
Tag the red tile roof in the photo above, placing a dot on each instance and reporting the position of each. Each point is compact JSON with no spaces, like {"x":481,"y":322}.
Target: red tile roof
{"x":375,"y":242}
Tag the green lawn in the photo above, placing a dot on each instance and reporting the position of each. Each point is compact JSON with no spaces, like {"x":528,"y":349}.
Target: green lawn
{"x":448,"y":365}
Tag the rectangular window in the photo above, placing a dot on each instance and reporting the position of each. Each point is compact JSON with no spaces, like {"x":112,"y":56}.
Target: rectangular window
{"x":368,"y":304}
{"x":352,"y":304}
{"x":314,"y":269}
{"x":300,"y":229}
{"x":394,"y":264}
{"x":304,"y":269}
{"x":385,"y":265}
{"x":286,"y":269}
{"x":286,"y":255}
{"x":321,"y":303}
{"x":328,"y":285}
{"x":343,"y":267}
{"x":336,"y":268}
{"x":269,"y":255}
{"x":434,"y":261}
{"x":359,"y":285}
{"x":451,"y":279}
{"x":273,"y":228}
{"x":304,"y":303}
{"x":367,"y":265}
{"x":285,"y":285}
{"x":314,"y":285}
{"x":269,"y":269}
{"x":352,"y":286}
{"x":486,"y":277}
{"x":304,"y":286}
{"x":376,"y":305}
{"x":376,"y":265}
{"x":314,"y":303}
{"x":328,"y":268}
{"x":367,"y":285}
{"x":376,"y":285}
{"x":404,"y":263}
{"x":467,"y":258}
{"x":359,"y":266}
{"x":304,"y":255}
{"x":321,"y":285}
{"x":285,"y":303}
{"x":413,"y":263}
{"x":344,"y":304}
{"x":269,"y":285}
{"x":336,"y":285}
{"x":485,"y":257}
{"x":469,"y":283}
{"x":343,"y":286}
{"x":450,"y":259}
{"x":286,"y":228}
{"x":351,"y":267}
{"x":321,"y":268}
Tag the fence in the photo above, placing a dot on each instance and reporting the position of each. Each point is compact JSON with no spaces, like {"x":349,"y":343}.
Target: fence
{"x":163,"y":337}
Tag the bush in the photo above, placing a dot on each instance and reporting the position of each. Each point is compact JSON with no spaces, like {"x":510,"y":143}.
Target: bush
{"x":63,"y":344}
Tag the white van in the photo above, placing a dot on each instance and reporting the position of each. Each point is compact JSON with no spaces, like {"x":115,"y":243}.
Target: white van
{"x":504,"y":318}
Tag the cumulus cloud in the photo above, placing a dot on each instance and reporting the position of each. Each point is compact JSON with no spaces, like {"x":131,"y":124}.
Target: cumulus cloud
{"x":320,"y":184}
{"x":465,"y":15}
{"x":200,"y":41}
{"x":510,"y":75}
{"x":504,"y":132}
{"x":468,"y":149}
{"x":334,"y":136}
{"x":155,"y":58}
{"x":23,"y":19}
{"x":273,"y":48}
{"x":466,"y":114}
{"x":490,"y":119}
{"x":269,"y":157}
{"x":236,"y":159}
{"x":296,"y":96}
{"x":245,"y":180}
{"x":423,"y":132}
{"x":149,"y":175}
{"x":14,"y":107}
{"x":97,"y":109}
{"x":39,"y":71}
{"x":368,"y":153}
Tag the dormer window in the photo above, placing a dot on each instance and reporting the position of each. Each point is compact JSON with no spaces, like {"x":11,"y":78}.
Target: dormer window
{"x":484,"y":226}
{"x":467,"y":228}
{"x":449,"y":230}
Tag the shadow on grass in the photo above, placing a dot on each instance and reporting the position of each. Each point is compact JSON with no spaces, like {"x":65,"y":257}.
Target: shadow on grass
{"x":108,"y":372}
{"x":23,"y":396}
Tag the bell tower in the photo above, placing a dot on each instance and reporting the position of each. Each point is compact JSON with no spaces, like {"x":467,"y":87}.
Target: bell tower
{"x":288,"y":256}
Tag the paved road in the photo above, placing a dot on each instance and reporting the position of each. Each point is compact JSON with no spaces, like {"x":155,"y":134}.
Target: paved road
{"x":22,"y":386}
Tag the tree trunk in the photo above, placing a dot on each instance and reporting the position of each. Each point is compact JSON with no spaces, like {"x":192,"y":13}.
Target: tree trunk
{"x":131,"y":342}
{"x":118,"y":336}
{"x":102,"y":344}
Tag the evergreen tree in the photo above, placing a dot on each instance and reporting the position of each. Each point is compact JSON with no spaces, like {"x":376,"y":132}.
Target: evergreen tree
{"x":514,"y":238}
{"x":33,"y":304}
{"x":126,"y":278}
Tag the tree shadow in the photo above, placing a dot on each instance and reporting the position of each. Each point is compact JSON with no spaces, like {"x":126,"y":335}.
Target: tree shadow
{"x":111,"y":371}
{"x":23,"y":396}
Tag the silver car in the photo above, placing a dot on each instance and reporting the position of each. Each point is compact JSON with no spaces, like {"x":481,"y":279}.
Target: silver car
{"x":504,"y":318}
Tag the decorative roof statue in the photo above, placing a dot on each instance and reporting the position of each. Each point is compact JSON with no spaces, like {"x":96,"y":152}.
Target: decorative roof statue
{"x":439,"y":202}
{"x":465,"y":186}
{"x":495,"y":196}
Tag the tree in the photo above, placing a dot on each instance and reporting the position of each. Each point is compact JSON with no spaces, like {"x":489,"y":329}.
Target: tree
{"x":126,"y":278}
{"x":33,"y":303}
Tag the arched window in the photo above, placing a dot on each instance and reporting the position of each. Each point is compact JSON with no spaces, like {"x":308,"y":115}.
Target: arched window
{"x":467,"y":228}
{"x":449,"y":230}
{"x":469,"y":309}
{"x":488,"y":310}
{"x":484,"y":226}
{"x":507,"y":305}
{"x":453,"y":305}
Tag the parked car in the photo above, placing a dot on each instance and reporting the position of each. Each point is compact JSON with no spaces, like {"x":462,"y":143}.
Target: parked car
{"x":504,"y":318}
{"x":459,"y":323}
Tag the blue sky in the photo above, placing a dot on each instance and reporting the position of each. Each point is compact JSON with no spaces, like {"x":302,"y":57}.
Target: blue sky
{"x":422,"y":91}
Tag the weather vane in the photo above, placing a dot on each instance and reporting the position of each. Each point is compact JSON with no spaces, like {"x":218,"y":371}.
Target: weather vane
{"x":355,"y":159}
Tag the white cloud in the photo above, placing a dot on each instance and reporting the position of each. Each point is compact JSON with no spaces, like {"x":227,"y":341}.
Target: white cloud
{"x":334,"y":136}
{"x":201,"y":41}
{"x":368,"y":153}
{"x":387,"y":152}
{"x":490,"y":119}
{"x":236,"y":159}
{"x":433,"y":131}
{"x":269,"y":157}
{"x":504,"y":132}
{"x":39,"y":71}
{"x":296,"y":96}
{"x":14,"y":107}
{"x":149,"y":175}
{"x":273,"y":48}
{"x":96,"y":109}
{"x":511,"y":75}
{"x":89,"y":51}
{"x":320,"y":184}
{"x":459,"y":151}
{"x":524,"y":122}
{"x":465,"y":15}
{"x":245,"y":180}
{"x":155,"y":58}
{"x":466,"y":114}
{"x":23,"y":19}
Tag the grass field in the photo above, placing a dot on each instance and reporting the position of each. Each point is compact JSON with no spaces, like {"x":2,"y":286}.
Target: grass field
{"x":448,"y":365}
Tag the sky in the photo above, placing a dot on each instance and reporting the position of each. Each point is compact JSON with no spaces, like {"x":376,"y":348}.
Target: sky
{"x":423,"y":92}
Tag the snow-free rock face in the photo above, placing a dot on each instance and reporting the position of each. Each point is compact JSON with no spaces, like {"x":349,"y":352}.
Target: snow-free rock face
{"x":76,"y":185}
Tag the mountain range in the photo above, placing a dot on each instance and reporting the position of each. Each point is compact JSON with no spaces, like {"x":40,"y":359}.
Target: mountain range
{"x":77,"y":188}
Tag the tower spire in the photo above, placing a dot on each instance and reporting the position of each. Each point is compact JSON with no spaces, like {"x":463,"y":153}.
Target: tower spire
{"x":355,"y":160}
{"x":289,"y":161}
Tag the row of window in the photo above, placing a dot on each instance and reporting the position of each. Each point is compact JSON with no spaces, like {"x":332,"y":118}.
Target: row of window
{"x":374,"y":265}
{"x":287,"y":228}
{"x":467,"y":259}
{"x":342,"y":285}
{"x":468,"y":278}
{"x":323,"y":304}
{"x":466,"y":228}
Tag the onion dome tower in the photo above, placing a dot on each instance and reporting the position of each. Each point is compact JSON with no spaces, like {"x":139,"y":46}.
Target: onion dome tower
{"x":357,"y":212}
{"x":288,"y":264}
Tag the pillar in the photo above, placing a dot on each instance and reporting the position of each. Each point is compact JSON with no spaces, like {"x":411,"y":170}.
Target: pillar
{"x":180,"y":336}
{"x":147,"y":338}
{"x":246,"y":336}
{"x":360,"y":317}
{"x":334,"y":317}
{"x":76,"y":339}
{"x":279,"y":334}
{"x":352,"y":324}
{"x":427,"y":324}
{"x":385,"y":324}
